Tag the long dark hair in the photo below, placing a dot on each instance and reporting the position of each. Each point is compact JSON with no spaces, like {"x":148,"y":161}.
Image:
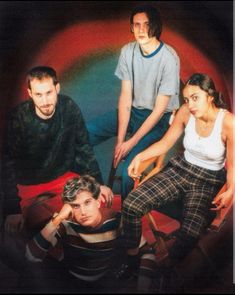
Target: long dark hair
{"x":206,"y":84}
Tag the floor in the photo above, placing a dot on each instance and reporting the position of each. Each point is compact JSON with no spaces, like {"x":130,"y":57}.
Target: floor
{"x":211,"y":272}
{"x":214,"y":283}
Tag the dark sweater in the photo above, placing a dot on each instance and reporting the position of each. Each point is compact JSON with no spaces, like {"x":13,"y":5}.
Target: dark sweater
{"x":38,"y":151}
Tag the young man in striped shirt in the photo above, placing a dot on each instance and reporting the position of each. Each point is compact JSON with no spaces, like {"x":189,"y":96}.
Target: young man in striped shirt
{"x":87,"y":233}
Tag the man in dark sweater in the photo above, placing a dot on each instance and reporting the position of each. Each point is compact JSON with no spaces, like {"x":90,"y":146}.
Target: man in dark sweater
{"x":45,"y":138}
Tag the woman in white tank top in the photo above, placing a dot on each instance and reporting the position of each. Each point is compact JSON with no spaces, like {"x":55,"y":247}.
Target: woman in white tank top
{"x":208,"y":127}
{"x":195,"y":177}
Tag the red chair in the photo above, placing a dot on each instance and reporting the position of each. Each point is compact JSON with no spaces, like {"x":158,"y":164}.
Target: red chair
{"x":161,"y":227}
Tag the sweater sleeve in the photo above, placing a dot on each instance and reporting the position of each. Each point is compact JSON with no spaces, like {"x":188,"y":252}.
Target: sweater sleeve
{"x":38,"y":247}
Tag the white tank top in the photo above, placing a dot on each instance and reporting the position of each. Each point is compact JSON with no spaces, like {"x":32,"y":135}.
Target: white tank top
{"x":207,"y":152}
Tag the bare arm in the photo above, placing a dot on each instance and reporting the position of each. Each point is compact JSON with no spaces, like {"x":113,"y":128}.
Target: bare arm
{"x":228,"y":137}
{"x":37,"y":249}
{"x":124,"y":113}
{"x":158,"y":111}
{"x":165,"y":144}
{"x":49,"y":230}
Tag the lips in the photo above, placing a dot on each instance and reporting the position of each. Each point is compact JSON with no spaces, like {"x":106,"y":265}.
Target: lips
{"x":45,"y":106}
{"x":84,"y":219}
{"x":193,"y":112}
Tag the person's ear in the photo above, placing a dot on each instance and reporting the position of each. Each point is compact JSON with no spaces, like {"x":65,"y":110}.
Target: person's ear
{"x":29,"y":92}
{"x":57,"y":87}
{"x":211,"y":98}
{"x":98,"y":202}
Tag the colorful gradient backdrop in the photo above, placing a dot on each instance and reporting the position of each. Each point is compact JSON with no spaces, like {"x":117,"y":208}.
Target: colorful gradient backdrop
{"x":82,"y":41}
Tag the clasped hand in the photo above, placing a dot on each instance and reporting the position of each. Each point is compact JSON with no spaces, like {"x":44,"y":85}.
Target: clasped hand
{"x":222,"y":201}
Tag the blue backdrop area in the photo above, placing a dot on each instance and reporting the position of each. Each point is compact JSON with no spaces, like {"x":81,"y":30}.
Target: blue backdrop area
{"x":85,"y":83}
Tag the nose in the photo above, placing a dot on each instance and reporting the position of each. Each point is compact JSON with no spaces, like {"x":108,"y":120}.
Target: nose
{"x":82,"y":210}
{"x":142,"y":27}
{"x":44,"y":99}
{"x":190,"y":103}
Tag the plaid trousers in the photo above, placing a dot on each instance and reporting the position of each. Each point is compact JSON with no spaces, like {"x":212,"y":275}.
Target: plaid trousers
{"x":179,"y":179}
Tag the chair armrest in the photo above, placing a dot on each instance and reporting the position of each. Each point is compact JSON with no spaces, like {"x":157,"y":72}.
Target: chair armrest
{"x":158,"y":164}
{"x":222,"y":214}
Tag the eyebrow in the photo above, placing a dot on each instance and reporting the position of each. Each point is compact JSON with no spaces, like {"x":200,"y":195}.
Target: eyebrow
{"x":145,"y":22}
{"x":74,"y":204}
{"x":193,"y":94}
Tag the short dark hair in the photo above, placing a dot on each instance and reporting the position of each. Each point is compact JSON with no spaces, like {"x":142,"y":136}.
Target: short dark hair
{"x":154,"y":17}
{"x":207,"y":84}
{"x":80,"y":184}
{"x":41,"y":72}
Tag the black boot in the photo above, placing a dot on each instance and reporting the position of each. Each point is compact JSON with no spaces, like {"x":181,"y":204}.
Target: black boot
{"x":129,"y":268}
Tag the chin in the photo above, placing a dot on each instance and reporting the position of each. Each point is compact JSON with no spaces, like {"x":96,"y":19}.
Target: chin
{"x":86,"y":223}
{"x":48,"y":113}
{"x":142,"y":41}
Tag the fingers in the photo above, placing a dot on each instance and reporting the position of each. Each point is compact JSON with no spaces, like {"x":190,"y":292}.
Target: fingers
{"x":215,"y":208}
{"x":102,"y":199}
{"x":66,"y":211}
{"x":119,"y":155}
{"x":218,"y":206}
{"x":132,"y":172}
{"x":109,"y":200}
{"x":117,"y":159}
{"x":106,"y":196}
{"x":115,"y":163}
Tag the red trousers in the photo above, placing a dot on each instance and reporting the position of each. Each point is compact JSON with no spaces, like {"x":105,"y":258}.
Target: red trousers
{"x":28,"y":192}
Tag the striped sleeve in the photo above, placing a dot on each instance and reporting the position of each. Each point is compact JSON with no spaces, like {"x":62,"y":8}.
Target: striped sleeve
{"x":38,"y":247}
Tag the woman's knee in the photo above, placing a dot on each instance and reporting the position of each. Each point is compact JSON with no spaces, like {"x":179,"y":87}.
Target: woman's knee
{"x":128,"y":204}
{"x":131,"y":205}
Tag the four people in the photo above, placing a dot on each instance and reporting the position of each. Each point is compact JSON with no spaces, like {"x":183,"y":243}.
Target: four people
{"x":149,"y":70}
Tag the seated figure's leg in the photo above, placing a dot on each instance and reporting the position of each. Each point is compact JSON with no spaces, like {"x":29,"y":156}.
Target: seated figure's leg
{"x":157,"y":191}
{"x":102,"y":127}
{"x":196,"y":217}
{"x":154,"y":135}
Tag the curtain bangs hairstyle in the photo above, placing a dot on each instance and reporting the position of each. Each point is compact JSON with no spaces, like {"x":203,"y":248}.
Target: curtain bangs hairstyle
{"x":154,"y":18}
